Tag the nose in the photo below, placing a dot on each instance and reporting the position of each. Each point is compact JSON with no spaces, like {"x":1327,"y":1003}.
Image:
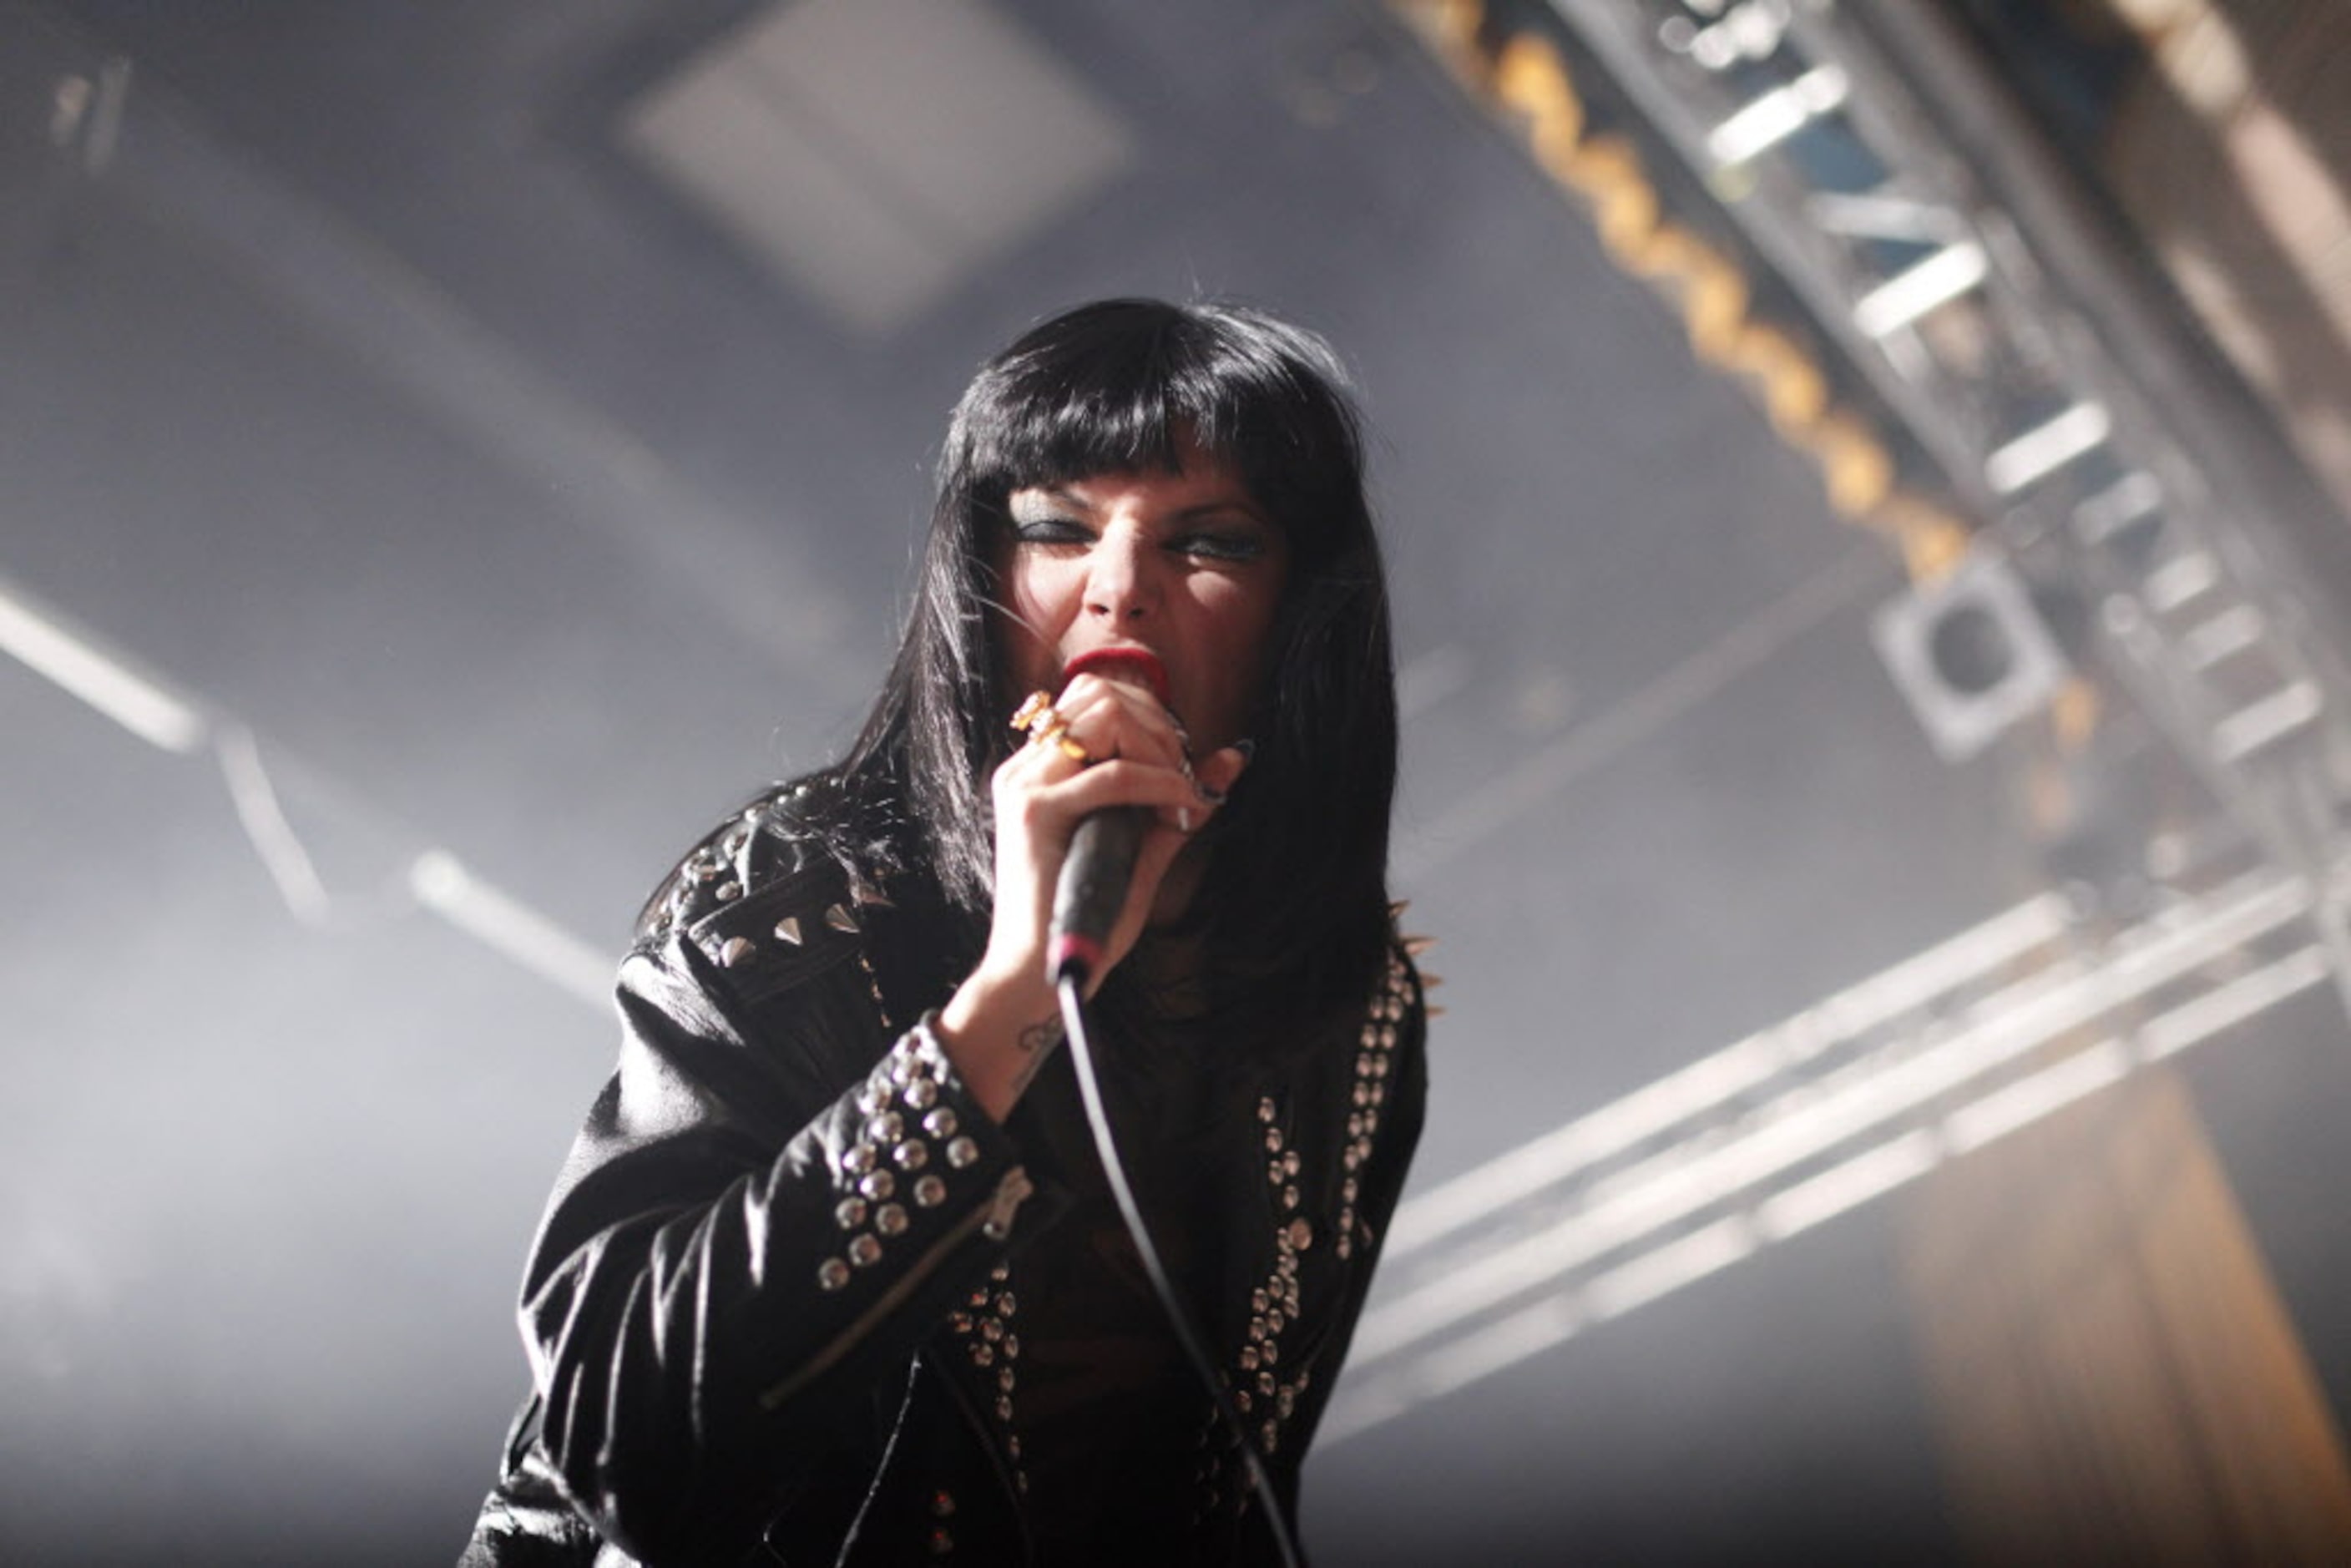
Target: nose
{"x":1120,"y":585}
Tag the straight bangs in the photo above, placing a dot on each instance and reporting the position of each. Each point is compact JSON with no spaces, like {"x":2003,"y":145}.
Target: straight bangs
{"x":1127,"y":386}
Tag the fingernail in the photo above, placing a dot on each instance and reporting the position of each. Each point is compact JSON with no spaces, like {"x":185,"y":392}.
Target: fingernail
{"x":1212,"y":796}
{"x":1246,"y":747}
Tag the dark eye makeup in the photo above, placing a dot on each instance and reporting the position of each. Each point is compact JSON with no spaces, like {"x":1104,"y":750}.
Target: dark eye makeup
{"x":1049,"y":532}
{"x":1235,"y":546}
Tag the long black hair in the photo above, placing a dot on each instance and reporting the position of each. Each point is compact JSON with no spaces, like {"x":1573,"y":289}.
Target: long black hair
{"x":1293,"y":901}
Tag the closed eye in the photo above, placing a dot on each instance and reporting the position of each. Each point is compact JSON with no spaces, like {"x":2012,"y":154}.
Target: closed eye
{"x":1234,"y":546}
{"x":1052,"y":531}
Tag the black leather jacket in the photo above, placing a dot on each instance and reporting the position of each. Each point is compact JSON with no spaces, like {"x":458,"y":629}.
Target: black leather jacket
{"x":773,"y":1309}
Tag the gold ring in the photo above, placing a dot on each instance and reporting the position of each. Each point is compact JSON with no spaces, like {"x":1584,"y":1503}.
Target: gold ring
{"x":1057,"y":734}
{"x":1036,"y":707}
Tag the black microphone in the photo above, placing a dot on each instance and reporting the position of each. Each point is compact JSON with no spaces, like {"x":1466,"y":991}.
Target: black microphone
{"x":1093,"y":889}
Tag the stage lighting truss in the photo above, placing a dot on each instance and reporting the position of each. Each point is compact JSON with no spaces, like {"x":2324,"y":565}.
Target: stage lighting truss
{"x":1939,"y":292}
{"x":1958,"y":316}
{"x":1847,"y":1100}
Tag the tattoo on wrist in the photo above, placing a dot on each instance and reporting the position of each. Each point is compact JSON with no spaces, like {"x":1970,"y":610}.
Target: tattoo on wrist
{"x":1036,"y":1043}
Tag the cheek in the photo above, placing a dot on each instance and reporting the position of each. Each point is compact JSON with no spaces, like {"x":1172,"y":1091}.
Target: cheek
{"x":1235,"y":628}
{"x":1238,"y":620}
{"x":1041,"y":596}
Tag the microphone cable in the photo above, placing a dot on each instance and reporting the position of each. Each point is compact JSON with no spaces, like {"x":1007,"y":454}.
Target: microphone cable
{"x":1081,"y":1059}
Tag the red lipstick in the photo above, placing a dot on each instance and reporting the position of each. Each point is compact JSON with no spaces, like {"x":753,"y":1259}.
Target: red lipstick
{"x":1119,"y":664}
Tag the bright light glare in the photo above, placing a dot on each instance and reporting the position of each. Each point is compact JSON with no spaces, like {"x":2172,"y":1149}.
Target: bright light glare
{"x":105,"y":683}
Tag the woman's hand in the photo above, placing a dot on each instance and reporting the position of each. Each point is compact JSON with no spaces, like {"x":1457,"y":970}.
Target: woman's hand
{"x":1004,"y":1018}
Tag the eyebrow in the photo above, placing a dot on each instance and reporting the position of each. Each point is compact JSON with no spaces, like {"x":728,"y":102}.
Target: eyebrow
{"x":1242,"y":505}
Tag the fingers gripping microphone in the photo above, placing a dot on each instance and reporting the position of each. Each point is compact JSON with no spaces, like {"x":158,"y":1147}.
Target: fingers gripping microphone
{"x":1092,"y":888}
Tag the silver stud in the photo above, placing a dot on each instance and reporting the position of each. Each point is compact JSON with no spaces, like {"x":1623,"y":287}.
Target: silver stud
{"x":736,"y":949}
{"x":943,"y":1504}
{"x":940,"y":1123}
{"x":912,"y":1155}
{"x":1346,"y":1245}
{"x":1005,"y":1305}
{"x":1258,"y":1301}
{"x":1289,"y":1197}
{"x":859,"y":1158}
{"x":992,"y":1330}
{"x":1004,"y":1378}
{"x":1265,"y":1384}
{"x":920,"y":1092}
{"x":831,"y":1274}
{"x":1274,"y":1321}
{"x":728,"y":892}
{"x":787,"y":929}
{"x":864,"y":1251}
{"x":942,"y":1544}
{"x":1273,"y":1140}
{"x":890,"y":1219}
{"x":1272,"y":1434}
{"x":1248,"y":1358}
{"x":930,"y":1192}
{"x":962,"y":1152}
{"x":1289,"y":1162}
{"x":1265,"y":1109}
{"x":886,"y":1127}
{"x":877,"y":1185}
{"x":840,"y":919}
{"x":1011,"y":1348}
{"x":996,"y":1229}
{"x":1286,"y":1401}
{"x":849,"y":1212}
{"x":1004,"y":1411}
{"x":1241,"y":1400}
{"x":1299,"y":1233}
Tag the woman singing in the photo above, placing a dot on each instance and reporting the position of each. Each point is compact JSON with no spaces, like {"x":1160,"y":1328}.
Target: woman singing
{"x":833,"y":1273}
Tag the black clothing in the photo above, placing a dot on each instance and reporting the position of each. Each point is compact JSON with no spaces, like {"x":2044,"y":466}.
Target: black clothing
{"x":797,"y":1297}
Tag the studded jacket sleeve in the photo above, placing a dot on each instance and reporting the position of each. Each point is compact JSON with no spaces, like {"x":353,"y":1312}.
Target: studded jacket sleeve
{"x":771,"y":1203}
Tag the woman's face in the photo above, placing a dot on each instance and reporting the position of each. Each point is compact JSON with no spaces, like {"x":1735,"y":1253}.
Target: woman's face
{"x":1184,"y":566}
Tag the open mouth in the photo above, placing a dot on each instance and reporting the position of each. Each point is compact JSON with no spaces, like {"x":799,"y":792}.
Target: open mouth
{"x":1122,"y":664}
